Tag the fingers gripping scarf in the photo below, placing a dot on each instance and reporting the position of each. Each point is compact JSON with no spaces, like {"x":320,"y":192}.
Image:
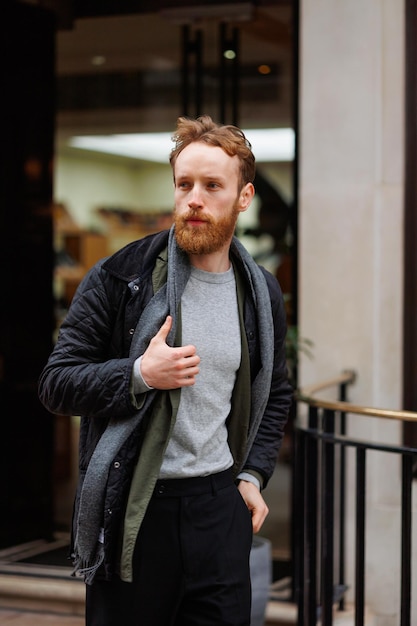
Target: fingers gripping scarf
{"x":88,"y":552}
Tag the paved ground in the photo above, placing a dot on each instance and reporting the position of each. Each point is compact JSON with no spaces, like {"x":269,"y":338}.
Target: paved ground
{"x":19,"y":618}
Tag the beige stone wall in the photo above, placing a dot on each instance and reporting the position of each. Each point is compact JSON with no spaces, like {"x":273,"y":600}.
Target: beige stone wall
{"x":351,"y":237}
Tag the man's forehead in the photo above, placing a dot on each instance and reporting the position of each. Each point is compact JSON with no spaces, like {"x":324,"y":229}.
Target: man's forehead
{"x":199,"y":155}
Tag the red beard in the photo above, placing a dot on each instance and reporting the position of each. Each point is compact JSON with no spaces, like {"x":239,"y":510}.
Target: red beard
{"x":205,"y":238}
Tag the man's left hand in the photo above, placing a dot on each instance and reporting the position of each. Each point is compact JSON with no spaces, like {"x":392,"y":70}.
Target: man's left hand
{"x":255,"y":503}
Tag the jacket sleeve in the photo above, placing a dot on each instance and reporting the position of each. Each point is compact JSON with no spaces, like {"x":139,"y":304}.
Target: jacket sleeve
{"x":84,"y":374}
{"x":263,"y":454}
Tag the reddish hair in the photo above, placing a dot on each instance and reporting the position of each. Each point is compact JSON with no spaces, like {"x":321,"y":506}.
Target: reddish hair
{"x":230,"y":138}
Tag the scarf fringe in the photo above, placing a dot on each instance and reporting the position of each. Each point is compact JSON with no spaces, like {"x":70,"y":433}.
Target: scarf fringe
{"x":86,"y":571}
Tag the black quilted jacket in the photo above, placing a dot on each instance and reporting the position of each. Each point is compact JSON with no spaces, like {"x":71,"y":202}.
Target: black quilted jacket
{"x":88,"y":373}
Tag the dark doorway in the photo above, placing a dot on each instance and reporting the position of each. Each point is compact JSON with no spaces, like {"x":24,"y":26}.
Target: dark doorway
{"x":117,"y":70}
{"x":28,"y":36}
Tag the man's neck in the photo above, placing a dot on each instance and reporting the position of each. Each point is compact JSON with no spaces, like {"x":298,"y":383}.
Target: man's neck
{"x":216,"y":262}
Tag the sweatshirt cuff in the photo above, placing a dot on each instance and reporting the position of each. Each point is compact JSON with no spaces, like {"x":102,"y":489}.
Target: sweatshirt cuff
{"x":250,"y":478}
{"x":139,"y":384}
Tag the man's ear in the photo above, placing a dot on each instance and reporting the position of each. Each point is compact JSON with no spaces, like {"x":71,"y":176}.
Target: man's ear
{"x":246,"y":196}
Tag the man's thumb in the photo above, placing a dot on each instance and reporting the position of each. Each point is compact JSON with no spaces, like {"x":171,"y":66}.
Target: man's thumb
{"x":165,"y":328}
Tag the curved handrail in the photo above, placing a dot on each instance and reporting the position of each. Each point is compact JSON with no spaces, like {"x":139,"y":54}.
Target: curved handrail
{"x":306,"y":395}
{"x":320,"y":469}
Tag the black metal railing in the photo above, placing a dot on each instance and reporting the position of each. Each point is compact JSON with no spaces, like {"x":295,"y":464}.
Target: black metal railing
{"x":320,"y":499}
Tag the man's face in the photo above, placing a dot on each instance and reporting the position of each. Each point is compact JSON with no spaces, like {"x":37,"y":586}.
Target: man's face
{"x":207,"y":202}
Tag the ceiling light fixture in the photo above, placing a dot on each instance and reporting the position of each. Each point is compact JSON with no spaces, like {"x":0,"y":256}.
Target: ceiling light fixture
{"x":98,"y":60}
{"x":268,"y":144}
{"x":264,"y":69}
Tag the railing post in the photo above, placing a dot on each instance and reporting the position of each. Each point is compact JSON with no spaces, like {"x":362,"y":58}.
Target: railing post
{"x":299,"y":500}
{"x":407,"y":476}
{"x":360,"y":536}
{"x":310,"y":521}
{"x":342,"y":499}
{"x":327,"y":522}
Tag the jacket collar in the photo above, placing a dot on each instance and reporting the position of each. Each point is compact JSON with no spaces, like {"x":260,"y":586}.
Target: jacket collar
{"x":137,"y":258}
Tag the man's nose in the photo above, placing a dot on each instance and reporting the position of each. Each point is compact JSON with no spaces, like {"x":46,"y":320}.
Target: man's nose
{"x":196,"y":198}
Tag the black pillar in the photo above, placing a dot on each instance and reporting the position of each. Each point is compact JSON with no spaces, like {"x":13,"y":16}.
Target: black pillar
{"x":26,"y":265}
{"x":410,"y":224}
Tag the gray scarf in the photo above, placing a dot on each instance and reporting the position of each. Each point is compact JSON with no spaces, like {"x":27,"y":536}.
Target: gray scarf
{"x":88,"y":552}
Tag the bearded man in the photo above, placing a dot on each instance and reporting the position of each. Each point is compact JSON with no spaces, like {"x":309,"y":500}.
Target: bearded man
{"x":173,"y":353}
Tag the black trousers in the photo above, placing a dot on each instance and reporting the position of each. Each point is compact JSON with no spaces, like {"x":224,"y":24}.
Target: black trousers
{"x":191,"y":561}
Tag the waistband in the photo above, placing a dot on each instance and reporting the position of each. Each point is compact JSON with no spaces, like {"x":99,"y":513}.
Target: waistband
{"x":177,"y":487}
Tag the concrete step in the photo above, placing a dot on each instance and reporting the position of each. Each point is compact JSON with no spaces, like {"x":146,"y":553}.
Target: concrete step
{"x":58,"y":596}
{"x":65,"y":596}
{"x":28,"y":586}
{"x":62,"y":597}
{"x":41,"y":593}
{"x":10,"y":617}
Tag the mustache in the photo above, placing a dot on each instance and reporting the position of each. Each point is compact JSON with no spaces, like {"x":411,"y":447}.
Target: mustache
{"x":191,"y":215}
